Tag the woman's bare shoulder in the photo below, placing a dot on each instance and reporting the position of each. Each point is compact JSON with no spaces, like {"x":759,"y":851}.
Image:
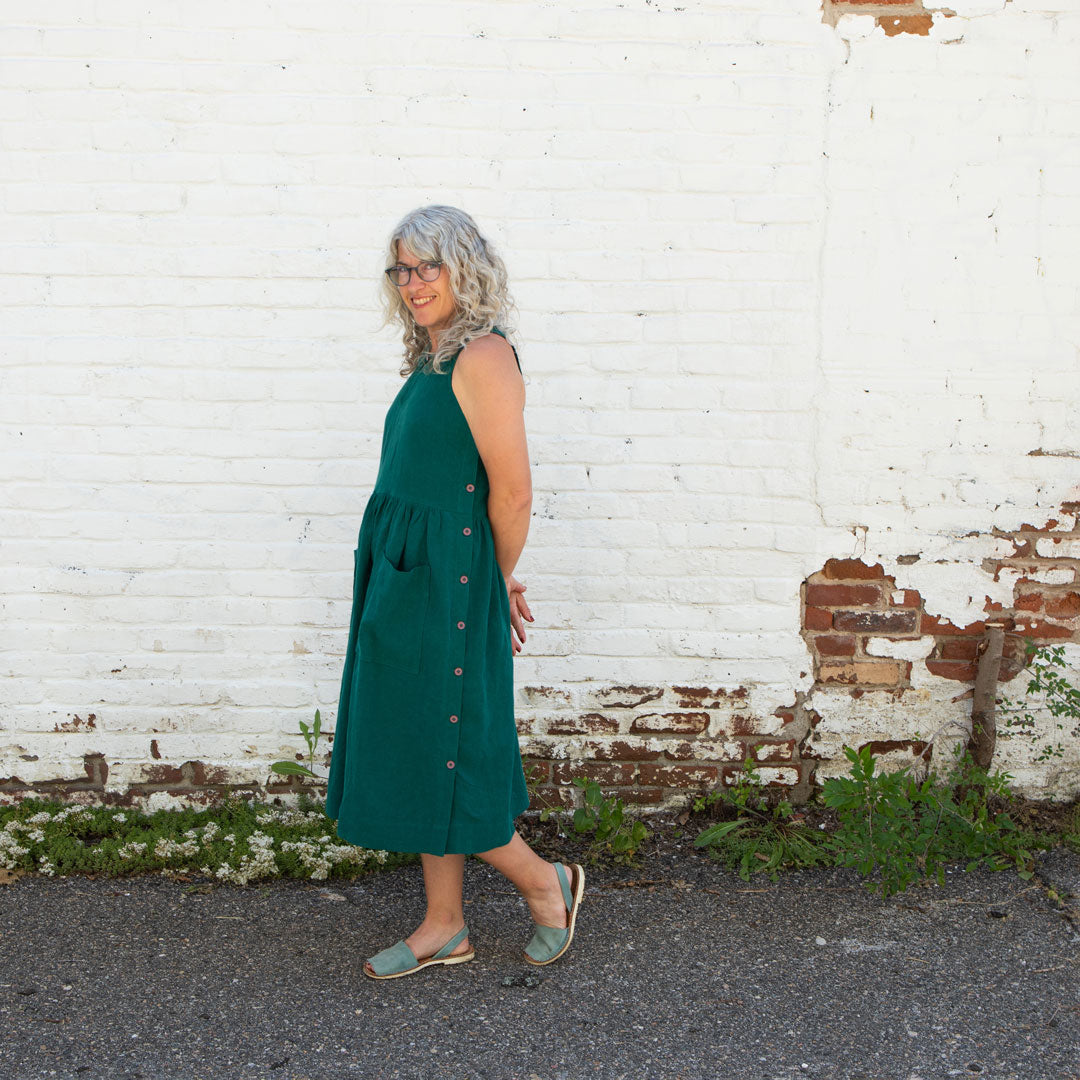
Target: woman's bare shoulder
{"x":490,"y":346}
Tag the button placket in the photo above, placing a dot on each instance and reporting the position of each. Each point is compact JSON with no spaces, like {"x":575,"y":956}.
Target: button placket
{"x":458,"y":615}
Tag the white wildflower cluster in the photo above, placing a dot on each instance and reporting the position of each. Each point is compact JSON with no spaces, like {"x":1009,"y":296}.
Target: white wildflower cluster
{"x":11,"y":851}
{"x":78,"y":814}
{"x":17,"y":837}
{"x":131,"y":849}
{"x":259,"y":863}
{"x":292,"y":818}
{"x":167,"y":848}
{"x":210,"y":831}
{"x":120,"y":816}
{"x":322,"y":854}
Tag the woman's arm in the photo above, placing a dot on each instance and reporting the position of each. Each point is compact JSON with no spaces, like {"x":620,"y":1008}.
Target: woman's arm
{"x":491,"y":393}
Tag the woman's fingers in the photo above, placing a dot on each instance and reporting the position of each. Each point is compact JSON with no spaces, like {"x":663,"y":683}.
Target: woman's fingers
{"x":516,"y":588}
{"x":517,"y":627}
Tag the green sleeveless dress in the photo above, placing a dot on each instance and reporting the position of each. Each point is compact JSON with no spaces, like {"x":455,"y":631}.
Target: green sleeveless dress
{"x":425,"y":754}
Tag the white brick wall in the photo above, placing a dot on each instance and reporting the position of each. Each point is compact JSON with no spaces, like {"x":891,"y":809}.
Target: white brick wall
{"x":787,"y":292}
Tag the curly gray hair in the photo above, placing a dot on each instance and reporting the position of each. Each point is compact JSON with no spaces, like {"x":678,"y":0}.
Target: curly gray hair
{"x":477,"y":276}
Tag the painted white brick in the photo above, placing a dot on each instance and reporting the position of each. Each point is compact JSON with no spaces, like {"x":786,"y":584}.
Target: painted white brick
{"x":782,"y":288}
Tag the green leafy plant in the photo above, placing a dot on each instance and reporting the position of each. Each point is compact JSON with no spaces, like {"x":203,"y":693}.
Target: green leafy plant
{"x":1057,"y":696}
{"x":311,"y":737}
{"x":905,"y":828}
{"x":613,"y":831}
{"x":762,"y":837}
{"x":236,"y":841}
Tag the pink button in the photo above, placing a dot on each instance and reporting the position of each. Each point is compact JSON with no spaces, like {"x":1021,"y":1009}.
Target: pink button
{"x":449,"y":764}
{"x":453,"y":719}
{"x":467,"y":531}
{"x":470,"y":487}
{"x":461,"y":626}
{"x":464,"y":579}
{"x":457,"y":671}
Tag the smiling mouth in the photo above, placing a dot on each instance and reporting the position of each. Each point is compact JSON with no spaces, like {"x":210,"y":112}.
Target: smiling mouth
{"x":421,"y":301}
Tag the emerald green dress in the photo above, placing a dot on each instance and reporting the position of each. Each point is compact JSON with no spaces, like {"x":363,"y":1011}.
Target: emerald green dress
{"x":425,"y":754}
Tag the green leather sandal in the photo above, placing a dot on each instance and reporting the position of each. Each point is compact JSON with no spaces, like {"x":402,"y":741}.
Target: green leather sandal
{"x":399,"y":959}
{"x":548,"y":943}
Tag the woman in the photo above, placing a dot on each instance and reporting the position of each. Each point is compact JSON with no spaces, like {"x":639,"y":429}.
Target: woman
{"x":425,"y":755}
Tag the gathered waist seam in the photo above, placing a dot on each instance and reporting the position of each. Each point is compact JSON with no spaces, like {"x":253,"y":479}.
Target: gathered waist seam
{"x":479,"y":508}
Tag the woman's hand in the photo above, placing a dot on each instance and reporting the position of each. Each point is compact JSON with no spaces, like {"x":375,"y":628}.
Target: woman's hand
{"x":519,"y":609}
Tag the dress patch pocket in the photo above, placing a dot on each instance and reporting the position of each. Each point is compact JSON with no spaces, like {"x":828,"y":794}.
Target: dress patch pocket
{"x":395,"y":606}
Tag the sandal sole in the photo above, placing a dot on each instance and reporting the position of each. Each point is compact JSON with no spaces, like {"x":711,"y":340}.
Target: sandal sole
{"x":423,"y":964}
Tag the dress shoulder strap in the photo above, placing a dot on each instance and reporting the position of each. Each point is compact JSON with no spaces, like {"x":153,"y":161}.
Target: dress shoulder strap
{"x":502,"y":334}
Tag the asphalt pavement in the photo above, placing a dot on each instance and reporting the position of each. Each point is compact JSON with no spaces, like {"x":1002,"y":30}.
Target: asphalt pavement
{"x":679,"y":969}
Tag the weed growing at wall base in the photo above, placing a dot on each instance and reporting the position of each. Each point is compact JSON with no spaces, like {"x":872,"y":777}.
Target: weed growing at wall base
{"x":761,"y":838}
{"x":604,"y":820}
{"x":902,"y":829}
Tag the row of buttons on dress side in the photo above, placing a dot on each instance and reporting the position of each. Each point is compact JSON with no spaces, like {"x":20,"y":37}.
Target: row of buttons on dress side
{"x":464,"y":579}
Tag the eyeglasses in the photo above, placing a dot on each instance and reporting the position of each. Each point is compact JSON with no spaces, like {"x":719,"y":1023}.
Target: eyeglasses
{"x":400,"y":274}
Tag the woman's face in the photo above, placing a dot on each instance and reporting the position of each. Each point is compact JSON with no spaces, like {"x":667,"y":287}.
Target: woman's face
{"x":431,"y":303}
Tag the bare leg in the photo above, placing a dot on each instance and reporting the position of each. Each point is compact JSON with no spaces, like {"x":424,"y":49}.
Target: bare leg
{"x":443,"y":876}
{"x":535,"y":878}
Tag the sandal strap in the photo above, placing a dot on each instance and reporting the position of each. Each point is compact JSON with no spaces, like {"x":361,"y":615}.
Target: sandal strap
{"x":453,"y":943}
{"x":394,"y":959}
{"x":564,"y":884}
{"x":546,"y":941}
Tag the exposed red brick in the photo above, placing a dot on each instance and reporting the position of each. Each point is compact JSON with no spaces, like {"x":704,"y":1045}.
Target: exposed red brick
{"x":910,"y":599}
{"x":1063,"y":607}
{"x":876,"y":622}
{"x":885,"y":746}
{"x":203,"y":775}
{"x":643,"y":796}
{"x":834,"y":645}
{"x":960,"y":649}
{"x":952,"y":669}
{"x":842,"y":595}
{"x":673,"y":723}
{"x":585,"y":724}
{"x":741,"y":724}
{"x":678,"y":775}
{"x":906,"y":24}
{"x":164,"y":774}
{"x":619,"y":750}
{"x":817,"y":619}
{"x":538,"y":772}
{"x":627,"y":697}
{"x":848,"y":569}
{"x":704,"y":697}
{"x":542,"y":798}
{"x":603,"y":772}
{"x":932,"y":624}
{"x":1029,"y":601}
{"x":1039,"y":629}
